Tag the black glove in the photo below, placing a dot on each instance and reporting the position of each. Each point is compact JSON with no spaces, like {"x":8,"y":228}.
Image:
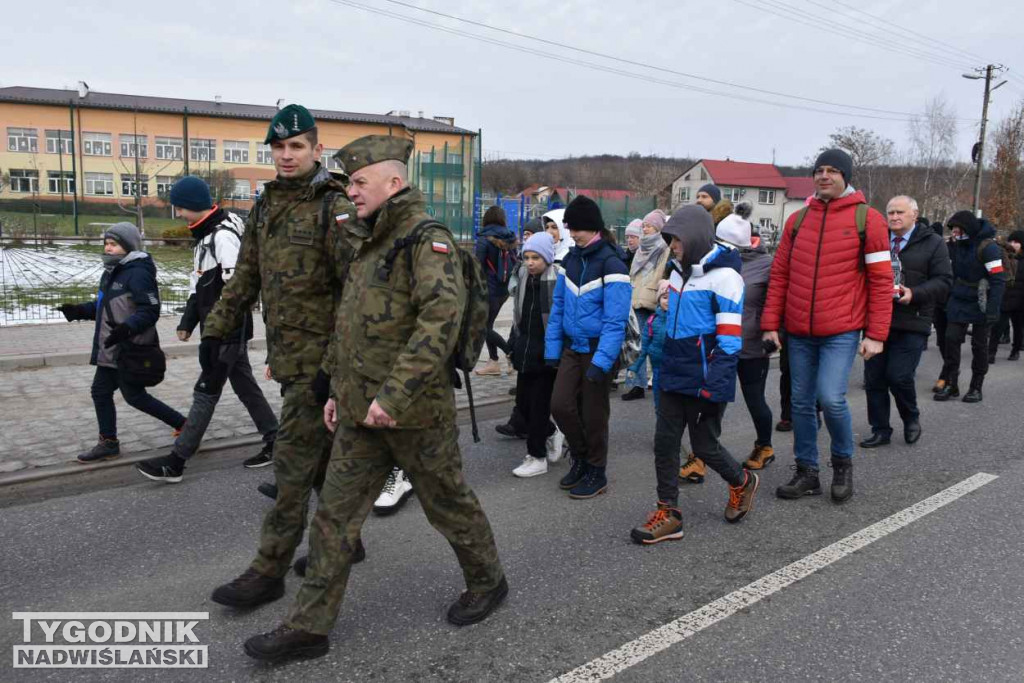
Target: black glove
{"x":72,"y":312}
{"x":209,"y":355}
{"x":117,"y":335}
{"x":596,"y":374}
{"x":322,"y":387}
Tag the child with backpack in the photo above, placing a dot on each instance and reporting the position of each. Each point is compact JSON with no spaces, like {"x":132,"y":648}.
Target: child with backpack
{"x":496,"y":252}
{"x":589,"y":315}
{"x":535,"y":380}
{"x":126,"y":310}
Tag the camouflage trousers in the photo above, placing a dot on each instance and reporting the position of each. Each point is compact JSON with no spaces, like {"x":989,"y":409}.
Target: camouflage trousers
{"x":301,"y":453}
{"x":360,"y":462}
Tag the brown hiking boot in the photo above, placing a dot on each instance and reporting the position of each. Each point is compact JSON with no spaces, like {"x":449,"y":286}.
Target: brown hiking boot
{"x":664,"y":524}
{"x":760,"y":457}
{"x":693,"y":470}
{"x":741,"y":498}
{"x":490,"y":369}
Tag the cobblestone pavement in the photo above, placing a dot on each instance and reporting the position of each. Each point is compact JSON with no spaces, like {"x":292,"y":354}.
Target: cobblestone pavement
{"x":48,"y":416}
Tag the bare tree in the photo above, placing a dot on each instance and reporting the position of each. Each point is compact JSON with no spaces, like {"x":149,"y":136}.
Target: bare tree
{"x":933,"y":145}
{"x":1003,"y":204}
{"x":868,"y":149}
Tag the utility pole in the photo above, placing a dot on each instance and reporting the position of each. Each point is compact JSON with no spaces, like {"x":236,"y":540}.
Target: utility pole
{"x":980,"y":147}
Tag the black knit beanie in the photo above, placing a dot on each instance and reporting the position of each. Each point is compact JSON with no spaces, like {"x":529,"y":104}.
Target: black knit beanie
{"x":1016,"y":236}
{"x":966,"y":221}
{"x":583,"y":213}
{"x":836,"y":158}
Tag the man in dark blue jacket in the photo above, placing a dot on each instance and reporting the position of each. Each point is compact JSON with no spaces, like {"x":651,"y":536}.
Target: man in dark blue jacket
{"x":978,"y":284}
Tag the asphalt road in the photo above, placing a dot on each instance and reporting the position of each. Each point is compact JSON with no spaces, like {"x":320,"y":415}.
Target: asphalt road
{"x":937,"y":600}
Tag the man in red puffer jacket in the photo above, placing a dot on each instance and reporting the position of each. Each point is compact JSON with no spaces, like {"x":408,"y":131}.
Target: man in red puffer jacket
{"x":831,"y":281}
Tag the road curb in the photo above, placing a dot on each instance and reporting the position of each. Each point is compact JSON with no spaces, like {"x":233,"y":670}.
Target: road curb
{"x":56,"y":360}
{"x":212,"y":446}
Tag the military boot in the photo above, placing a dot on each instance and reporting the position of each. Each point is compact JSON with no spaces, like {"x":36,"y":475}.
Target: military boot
{"x":693,"y":470}
{"x":472,"y":607}
{"x":105,"y":449}
{"x":251,"y":589}
{"x":760,"y":457}
{"x":285,"y":642}
{"x":842,"y":479}
{"x":805,"y":482}
{"x":951,"y":390}
{"x":974,"y":393}
{"x":358,"y":555}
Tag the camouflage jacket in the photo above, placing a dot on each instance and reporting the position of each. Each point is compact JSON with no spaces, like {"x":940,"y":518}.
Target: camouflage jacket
{"x":296,"y":266}
{"x":395,"y":332}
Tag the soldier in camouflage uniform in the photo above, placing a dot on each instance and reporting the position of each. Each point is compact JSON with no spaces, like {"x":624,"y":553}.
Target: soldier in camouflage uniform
{"x":394,"y":403}
{"x":299,"y":228}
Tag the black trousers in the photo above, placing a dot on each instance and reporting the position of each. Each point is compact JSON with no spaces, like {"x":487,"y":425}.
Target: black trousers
{"x":940,"y":321}
{"x":1016,"y":319}
{"x":533,"y":399}
{"x":704,"y":420}
{"x":494,"y":340}
{"x":893,"y":371}
{"x":956,"y":333}
{"x":753,"y":374}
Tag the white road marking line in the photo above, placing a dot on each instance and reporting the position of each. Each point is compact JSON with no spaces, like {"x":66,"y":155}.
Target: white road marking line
{"x":663,"y":637}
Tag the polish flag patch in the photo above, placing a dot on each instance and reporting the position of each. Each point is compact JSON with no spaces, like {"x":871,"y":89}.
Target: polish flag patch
{"x":994,"y":266}
{"x":439,"y":247}
{"x":341,"y":218}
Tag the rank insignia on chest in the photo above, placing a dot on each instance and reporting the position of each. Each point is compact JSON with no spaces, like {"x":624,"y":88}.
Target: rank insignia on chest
{"x":439,"y":247}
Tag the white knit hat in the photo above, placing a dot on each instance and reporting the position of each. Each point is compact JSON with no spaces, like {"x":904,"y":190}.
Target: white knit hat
{"x":734,"y":230}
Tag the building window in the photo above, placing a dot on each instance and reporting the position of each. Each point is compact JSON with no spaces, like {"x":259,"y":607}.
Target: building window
{"x":59,"y":140}
{"x":684,"y":195}
{"x":426,"y":157}
{"x":766,"y":196}
{"x":168,"y":148}
{"x":24,"y":180}
{"x":263,"y":155}
{"x":134,"y":146}
{"x":328,"y":160}
{"x":765,"y":223}
{"x":733,"y":194}
{"x":703,"y":174}
{"x":22,"y":140}
{"x":99,"y":184}
{"x":453,"y":193}
{"x":129,"y":186}
{"x":241,"y":189}
{"x":202,"y":150}
{"x":97,"y":144}
{"x":454,"y":158}
{"x":236,"y":152}
{"x":260,"y":184}
{"x":686,"y":177}
{"x":53,"y":182}
{"x":163,"y":184}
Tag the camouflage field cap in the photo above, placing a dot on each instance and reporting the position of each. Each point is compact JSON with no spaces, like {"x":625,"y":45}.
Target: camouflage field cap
{"x":373,"y":149}
{"x":291,"y":121}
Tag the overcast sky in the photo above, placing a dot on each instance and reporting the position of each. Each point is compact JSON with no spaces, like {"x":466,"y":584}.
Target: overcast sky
{"x":326,"y":54}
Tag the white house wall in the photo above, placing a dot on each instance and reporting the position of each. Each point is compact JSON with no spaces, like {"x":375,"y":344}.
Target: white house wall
{"x":773,"y":212}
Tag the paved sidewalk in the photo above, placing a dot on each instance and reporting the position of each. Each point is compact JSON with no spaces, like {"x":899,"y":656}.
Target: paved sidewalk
{"x":48,"y":416}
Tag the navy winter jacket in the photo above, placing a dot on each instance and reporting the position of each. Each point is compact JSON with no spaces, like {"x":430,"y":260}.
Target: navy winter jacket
{"x":591,"y":305}
{"x":129,"y":295}
{"x":496,"y":252}
{"x":969,"y":270}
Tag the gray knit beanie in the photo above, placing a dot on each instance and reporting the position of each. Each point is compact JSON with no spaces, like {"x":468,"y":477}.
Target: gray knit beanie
{"x":125,"y":234}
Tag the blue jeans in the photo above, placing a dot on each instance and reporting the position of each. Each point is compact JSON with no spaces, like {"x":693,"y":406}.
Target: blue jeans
{"x":820,"y":371}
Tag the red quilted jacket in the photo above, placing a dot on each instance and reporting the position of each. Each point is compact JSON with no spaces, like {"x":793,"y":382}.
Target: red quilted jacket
{"x":818,"y":286}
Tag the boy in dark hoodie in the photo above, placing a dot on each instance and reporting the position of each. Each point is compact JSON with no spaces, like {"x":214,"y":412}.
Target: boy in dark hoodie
{"x":703,"y":337}
{"x":126,"y":309}
{"x":496,"y":252}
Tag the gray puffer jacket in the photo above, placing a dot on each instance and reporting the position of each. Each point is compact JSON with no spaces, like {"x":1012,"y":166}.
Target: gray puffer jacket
{"x":128,"y":294}
{"x":757,"y":266}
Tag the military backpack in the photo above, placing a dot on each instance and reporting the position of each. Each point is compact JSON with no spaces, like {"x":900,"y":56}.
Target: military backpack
{"x":473,"y":327}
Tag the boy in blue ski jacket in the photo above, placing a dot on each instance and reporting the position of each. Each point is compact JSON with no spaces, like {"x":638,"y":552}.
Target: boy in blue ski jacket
{"x":583,"y":339}
{"x":703,"y":336}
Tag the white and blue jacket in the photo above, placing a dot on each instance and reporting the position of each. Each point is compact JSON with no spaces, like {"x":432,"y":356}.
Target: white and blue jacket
{"x":703,"y":333}
{"x":590,"y":307}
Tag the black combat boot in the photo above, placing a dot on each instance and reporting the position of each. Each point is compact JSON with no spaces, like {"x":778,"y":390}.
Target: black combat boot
{"x":107,"y":448}
{"x":249,"y":590}
{"x":267,"y":489}
{"x":575,"y":474}
{"x":285,"y":642}
{"x":951,"y":390}
{"x":974,"y":393}
{"x":842,"y":479}
{"x":473,"y":607}
{"x":805,"y":482}
{"x":357,"y":556}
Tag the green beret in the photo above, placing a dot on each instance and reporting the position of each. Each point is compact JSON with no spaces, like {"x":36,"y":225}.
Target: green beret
{"x":373,"y":149}
{"x":291,"y":121}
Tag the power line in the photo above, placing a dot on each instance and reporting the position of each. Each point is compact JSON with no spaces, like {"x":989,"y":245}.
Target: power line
{"x":896,"y":116}
{"x":814,"y":21}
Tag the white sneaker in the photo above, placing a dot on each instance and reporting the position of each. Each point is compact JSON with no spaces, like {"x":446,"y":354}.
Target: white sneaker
{"x":396,"y":491}
{"x":554,"y":446}
{"x":531,"y":467}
